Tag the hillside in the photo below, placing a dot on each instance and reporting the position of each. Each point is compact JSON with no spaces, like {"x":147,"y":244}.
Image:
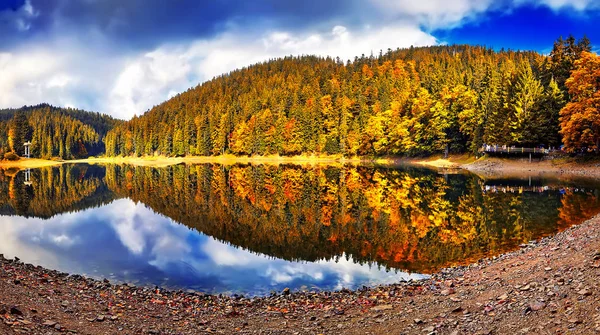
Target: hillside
{"x":55,"y":132}
{"x":415,"y":101}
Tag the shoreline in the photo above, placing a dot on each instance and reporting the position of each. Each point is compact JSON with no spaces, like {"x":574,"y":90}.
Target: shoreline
{"x":551,"y":284}
{"x":487,"y":167}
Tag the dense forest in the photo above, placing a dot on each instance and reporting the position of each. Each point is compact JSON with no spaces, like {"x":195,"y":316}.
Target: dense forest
{"x":414,"y":101}
{"x":54,"y":132}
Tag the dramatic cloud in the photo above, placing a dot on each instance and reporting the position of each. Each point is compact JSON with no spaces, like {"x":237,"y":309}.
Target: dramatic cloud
{"x":123,"y":57}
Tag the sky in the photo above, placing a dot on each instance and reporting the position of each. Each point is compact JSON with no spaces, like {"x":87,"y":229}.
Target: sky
{"x":124,"y":57}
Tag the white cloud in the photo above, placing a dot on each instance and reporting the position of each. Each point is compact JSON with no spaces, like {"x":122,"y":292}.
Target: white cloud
{"x":156,"y":76}
{"x":86,"y":70}
{"x":434,"y":13}
{"x":579,"y":5}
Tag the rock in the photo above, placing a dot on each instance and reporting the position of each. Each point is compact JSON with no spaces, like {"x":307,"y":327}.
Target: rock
{"x":64,"y":303}
{"x":15,"y":311}
{"x":575,"y":321}
{"x":457,"y":309}
{"x":525,"y":288}
{"x":17,"y":282}
{"x":57,"y":326}
{"x":548,"y":269}
{"x":418,"y":321}
{"x":286,"y":291}
{"x":429,"y":329}
{"x":537,"y":305}
{"x":381,"y":308}
{"x":448,"y":291}
{"x":502,"y":297}
{"x":100,"y":318}
{"x":49,"y":323}
{"x":584,"y":292}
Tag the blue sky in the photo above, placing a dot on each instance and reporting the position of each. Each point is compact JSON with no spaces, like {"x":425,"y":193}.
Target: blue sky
{"x":123,"y":57}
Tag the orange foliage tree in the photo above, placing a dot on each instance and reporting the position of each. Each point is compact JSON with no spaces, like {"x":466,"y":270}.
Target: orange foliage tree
{"x":580,"y":118}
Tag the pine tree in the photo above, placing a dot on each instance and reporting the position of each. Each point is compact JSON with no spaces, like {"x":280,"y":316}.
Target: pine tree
{"x":527,"y":93}
{"x":19,"y":133}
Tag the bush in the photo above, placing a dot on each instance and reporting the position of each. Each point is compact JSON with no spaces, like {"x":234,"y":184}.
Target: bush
{"x":11,"y":156}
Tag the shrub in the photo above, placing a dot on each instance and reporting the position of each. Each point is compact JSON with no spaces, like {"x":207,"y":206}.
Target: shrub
{"x":11,"y":156}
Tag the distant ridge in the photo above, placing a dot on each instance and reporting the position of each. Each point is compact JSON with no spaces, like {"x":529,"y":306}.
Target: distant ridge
{"x":59,"y":132}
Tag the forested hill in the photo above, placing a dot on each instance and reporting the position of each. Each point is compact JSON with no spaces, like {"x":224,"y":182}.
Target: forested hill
{"x":411,"y":101}
{"x":54,"y":132}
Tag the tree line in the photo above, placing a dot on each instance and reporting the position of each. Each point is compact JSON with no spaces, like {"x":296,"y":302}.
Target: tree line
{"x":414,"y":101}
{"x":54,"y":132}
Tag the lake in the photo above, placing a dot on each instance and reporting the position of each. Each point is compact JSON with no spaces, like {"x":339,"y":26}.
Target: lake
{"x":252,"y":229}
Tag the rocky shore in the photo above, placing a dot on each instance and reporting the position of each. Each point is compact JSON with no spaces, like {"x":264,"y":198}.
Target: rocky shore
{"x":549,"y":286}
{"x":519,"y":167}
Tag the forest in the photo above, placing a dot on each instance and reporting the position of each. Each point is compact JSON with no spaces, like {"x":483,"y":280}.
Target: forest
{"x":405,"y":102}
{"x":54,"y":132}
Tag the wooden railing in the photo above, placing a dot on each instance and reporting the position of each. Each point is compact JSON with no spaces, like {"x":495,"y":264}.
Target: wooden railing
{"x":497,"y":149}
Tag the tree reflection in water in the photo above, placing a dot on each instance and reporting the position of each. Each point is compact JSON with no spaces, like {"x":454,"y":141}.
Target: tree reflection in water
{"x":399,"y":218}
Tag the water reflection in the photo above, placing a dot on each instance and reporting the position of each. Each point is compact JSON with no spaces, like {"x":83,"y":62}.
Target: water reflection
{"x":251,"y":229}
{"x":128,"y":242}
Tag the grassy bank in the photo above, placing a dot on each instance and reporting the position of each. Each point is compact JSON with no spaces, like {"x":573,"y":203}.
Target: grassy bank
{"x":161,"y":161}
{"x":588,"y":166}
{"x":30,"y":163}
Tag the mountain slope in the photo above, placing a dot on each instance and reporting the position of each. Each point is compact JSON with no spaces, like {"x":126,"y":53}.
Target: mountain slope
{"x":55,"y":132}
{"x":406,"y":102}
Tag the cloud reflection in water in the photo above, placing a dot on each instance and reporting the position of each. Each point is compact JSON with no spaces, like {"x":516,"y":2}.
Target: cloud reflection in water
{"x":126,"y":241}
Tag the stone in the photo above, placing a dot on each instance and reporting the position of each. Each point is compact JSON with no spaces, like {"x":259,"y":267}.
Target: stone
{"x":286,"y":291}
{"x":49,"y":323}
{"x":381,"y":308}
{"x":448,"y":291}
{"x":537,"y":305}
{"x":15,"y":311}
{"x":584,"y":292}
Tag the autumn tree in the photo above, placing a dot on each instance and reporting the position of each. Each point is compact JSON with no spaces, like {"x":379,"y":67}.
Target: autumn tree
{"x":580,"y":118}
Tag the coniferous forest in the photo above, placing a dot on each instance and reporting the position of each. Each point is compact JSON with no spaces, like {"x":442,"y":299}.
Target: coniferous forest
{"x":415,"y":101}
{"x":407,"y":102}
{"x":54,"y":132}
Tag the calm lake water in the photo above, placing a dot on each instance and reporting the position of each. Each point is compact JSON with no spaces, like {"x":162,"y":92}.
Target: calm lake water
{"x":252,"y":229}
